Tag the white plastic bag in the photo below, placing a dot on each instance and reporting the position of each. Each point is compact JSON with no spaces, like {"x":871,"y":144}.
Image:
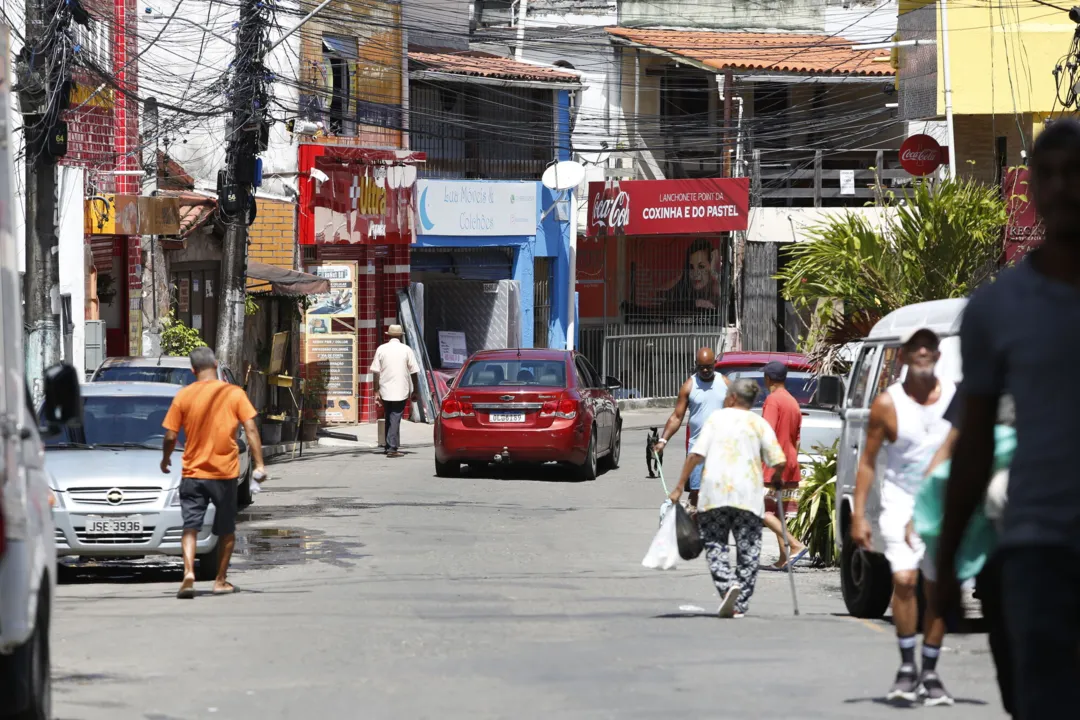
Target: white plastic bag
{"x":664,"y":552}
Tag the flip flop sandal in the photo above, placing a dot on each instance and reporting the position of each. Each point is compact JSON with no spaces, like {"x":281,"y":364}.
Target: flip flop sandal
{"x":798,"y":556}
{"x":228,"y":591}
{"x":185,"y":594}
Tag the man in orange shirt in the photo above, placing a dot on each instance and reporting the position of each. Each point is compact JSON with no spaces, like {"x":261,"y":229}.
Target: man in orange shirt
{"x":208,"y":412}
{"x":783,"y":413}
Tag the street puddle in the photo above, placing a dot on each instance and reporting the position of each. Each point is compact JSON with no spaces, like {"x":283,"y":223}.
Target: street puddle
{"x":261,"y":547}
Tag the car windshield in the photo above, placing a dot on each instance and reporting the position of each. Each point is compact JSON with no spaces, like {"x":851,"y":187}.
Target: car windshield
{"x":802,"y":385}
{"x":118,"y":421}
{"x":144,"y":373}
{"x":813,"y":438}
{"x":514,"y":373}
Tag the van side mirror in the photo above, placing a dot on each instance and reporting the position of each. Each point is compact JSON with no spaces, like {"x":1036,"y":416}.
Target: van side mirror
{"x":830,"y":391}
{"x":63,"y":400}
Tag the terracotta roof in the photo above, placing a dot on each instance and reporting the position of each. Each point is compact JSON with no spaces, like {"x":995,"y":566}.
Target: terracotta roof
{"x":195,"y":210}
{"x":172,"y":175}
{"x":774,"y":52}
{"x":481,"y":64}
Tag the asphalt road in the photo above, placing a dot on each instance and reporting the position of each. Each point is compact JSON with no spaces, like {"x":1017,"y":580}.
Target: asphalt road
{"x":372,"y":589}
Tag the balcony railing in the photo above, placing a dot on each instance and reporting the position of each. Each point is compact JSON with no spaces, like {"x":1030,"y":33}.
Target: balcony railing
{"x":823,"y":178}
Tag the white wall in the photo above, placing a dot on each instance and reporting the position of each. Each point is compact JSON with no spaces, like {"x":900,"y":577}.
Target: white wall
{"x":784,"y":224}
{"x":72,"y":257}
{"x":438,"y":23}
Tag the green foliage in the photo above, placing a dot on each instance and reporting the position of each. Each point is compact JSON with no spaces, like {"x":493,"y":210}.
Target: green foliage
{"x":939,"y":240}
{"x":177,"y":338}
{"x":250,"y":306}
{"x":815,"y":519}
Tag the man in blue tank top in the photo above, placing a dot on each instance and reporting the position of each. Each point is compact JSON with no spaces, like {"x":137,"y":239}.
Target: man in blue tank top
{"x":702,"y":394}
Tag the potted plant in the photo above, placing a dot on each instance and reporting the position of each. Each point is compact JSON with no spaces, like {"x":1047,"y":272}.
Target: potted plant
{"x":270,"y":429}
{"x":314,"y":395}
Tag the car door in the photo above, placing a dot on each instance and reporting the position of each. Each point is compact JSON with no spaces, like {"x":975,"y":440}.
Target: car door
{"x":605,"y":405}
{"x":856,"y":413}
{"x":587,"y":388}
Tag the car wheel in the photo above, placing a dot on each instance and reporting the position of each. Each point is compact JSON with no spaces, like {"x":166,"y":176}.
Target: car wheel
{"x":611,"y":461}
{"x":588,"y":469}
{"x":865,"y":581}
{"x":447,"y":470}
{"x":206,"y":565}
{"x":244,"y":498}
{"x":30,"y":663}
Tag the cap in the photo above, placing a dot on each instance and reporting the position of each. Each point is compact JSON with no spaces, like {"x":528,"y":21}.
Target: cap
{"x":775,"y":370}
{"x":910,"y":335}
{"x":395,"y":331}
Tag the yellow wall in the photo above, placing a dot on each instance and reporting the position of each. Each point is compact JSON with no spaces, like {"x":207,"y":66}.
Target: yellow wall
{"x":1003,"y":55}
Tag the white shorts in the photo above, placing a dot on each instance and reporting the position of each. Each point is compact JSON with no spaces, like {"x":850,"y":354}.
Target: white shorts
{"x":897,"y":508}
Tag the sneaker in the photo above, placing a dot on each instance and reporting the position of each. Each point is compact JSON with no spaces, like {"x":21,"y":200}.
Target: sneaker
{"x":727,"y":607}
{"x":933,"y":690}
{"x":906,"y":687}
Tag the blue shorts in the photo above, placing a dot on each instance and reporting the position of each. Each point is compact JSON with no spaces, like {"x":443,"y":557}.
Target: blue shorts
{"x":695,"y":477}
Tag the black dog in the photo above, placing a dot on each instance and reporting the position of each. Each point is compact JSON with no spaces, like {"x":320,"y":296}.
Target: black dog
{"x":654,"y":459}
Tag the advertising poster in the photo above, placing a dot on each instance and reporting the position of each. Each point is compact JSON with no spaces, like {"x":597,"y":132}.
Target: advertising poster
{"x":452,"y":350}
{"x":674,"y":276}
{"x":333,"y":356}
{"x":338,"y":304}
{"x":476,"y":208}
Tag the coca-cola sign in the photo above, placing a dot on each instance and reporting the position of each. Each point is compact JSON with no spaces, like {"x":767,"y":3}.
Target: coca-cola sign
{"x":668,"y":207}
{"x":921,"y":155}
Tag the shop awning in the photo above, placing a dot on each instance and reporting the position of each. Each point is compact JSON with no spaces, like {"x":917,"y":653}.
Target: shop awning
{"x":284,"y":281}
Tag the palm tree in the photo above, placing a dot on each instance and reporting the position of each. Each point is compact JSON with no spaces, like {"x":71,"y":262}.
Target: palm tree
{"x":937,"y":240}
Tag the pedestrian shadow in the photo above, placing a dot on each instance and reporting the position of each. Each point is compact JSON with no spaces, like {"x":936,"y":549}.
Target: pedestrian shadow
{"x":910,"y":706}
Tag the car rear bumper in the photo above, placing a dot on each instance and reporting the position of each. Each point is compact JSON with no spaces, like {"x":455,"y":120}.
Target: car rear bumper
{"x":161,"y":535}
{"x":565,"y":441}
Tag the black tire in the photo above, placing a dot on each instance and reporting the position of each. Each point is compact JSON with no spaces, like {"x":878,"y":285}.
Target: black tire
{"x":865,"y":581}
{"x":206,"y":565}
{"x":447,"y":470}
{"x":589,"y":470}
{"x":611,"y":460}
{"x":31,"y":664}
{"x":244,"y":498}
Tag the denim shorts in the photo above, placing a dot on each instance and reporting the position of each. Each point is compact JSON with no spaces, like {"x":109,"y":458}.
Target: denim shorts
{"x":695,"y":477}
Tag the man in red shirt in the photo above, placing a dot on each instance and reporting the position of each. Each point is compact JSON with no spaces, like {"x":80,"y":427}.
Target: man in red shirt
{"x":782,"y":412}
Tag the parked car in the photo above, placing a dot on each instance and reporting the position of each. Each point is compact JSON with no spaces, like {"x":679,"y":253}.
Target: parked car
{"x":864,"y":576}
{"x":529,"y":406}
{"x":821,"y":426}
{"x":110,"y":498}
{"x":162,"y":369}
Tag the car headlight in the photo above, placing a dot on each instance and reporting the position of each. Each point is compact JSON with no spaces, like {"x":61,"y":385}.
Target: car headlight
{"x":55,"y":500}
{"x":174,"y":498}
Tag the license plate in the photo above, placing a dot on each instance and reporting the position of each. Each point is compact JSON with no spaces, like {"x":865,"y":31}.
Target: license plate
{"x":109,"y":526}
{"x":507,"y":417}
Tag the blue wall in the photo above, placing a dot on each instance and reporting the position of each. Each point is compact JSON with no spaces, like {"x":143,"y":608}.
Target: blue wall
{"x":551,"y":240}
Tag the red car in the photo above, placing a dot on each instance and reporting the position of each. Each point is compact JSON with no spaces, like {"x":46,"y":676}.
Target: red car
{"x":529,"y":406}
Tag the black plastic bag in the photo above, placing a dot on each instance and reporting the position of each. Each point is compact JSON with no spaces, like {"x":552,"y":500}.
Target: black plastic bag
{"x":687,"y":534}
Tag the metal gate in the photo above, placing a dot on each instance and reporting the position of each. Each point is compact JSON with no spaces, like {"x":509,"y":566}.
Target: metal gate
{"x":542,"y":286}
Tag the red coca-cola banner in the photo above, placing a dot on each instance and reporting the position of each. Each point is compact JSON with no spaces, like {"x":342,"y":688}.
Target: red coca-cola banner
{"x":668,"y":207}
{"x":1023,"y":229}
{"x":921,"y":155}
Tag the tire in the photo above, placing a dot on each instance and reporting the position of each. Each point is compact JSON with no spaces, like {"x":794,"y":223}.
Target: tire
{"x":447,"y":470}
{"x":588,"y":470}
{"x":865,"y":581}
{"x":206,"y":565}
{"x":31,"y":664}
{"x":244,"y":498}
{"x":611,"y":460}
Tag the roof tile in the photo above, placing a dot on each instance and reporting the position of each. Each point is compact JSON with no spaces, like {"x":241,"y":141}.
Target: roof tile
{"x":773,"y":52}
{"x":481,"y":64}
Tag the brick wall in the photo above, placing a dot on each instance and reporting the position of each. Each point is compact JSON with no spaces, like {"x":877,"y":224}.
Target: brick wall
{"x":976,"y":143}
{"x":272,"y":239}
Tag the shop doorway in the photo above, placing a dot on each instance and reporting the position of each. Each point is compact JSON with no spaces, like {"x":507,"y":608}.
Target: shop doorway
{"x":194,"y":289}
{"x":543,"y":283}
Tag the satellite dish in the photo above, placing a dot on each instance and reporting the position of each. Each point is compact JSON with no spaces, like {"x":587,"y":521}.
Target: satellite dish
{"x":563,"y":175}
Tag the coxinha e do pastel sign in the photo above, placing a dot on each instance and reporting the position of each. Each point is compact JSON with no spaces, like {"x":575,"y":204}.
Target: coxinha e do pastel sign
{"x":668,"y":207}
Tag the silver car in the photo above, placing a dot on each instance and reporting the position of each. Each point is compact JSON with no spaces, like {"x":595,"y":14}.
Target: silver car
{"x":110,"y":498}
{"x":162,"y":369}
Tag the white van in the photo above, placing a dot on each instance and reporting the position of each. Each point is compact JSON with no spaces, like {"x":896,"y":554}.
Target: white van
{"x":27,"y":547}
{"x":865,"y":578}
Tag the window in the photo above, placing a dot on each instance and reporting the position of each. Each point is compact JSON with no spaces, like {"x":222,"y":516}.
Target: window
{"x":859,"y":381}
{"x":119,"y":421}
{"x":891,"y":368}
{"x":143,"y":373}
{"x":514,"y":373}
{"x":801,"y":385}
{"x":339,"y":54}
{"x":587,"y":377}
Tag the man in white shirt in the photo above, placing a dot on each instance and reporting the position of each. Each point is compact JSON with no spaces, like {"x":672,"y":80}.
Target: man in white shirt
{"x":396,"y":377}
{"x":733,"y":445}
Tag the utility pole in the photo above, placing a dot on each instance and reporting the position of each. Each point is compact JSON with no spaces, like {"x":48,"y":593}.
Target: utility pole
{"x":44,"y":91}
{"x":247,"y":137}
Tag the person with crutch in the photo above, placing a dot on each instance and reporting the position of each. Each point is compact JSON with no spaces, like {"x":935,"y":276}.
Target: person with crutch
{"x":733,"y":444}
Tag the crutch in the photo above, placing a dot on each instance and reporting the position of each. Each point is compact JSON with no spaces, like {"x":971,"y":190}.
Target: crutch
{"x":787,"y":546}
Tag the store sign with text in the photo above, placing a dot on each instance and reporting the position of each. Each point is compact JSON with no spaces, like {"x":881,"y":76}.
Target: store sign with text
{"x":1023,"y":229}
{"x":668,"y":207}
{"x":476,"y":208}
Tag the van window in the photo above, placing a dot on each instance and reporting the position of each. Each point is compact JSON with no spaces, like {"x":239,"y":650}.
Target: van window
{"x":861,"y":378}
{"x":891,"y":368}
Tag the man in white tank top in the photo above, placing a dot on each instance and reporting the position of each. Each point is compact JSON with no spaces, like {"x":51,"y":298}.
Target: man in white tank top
{"x":908,"y":421}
